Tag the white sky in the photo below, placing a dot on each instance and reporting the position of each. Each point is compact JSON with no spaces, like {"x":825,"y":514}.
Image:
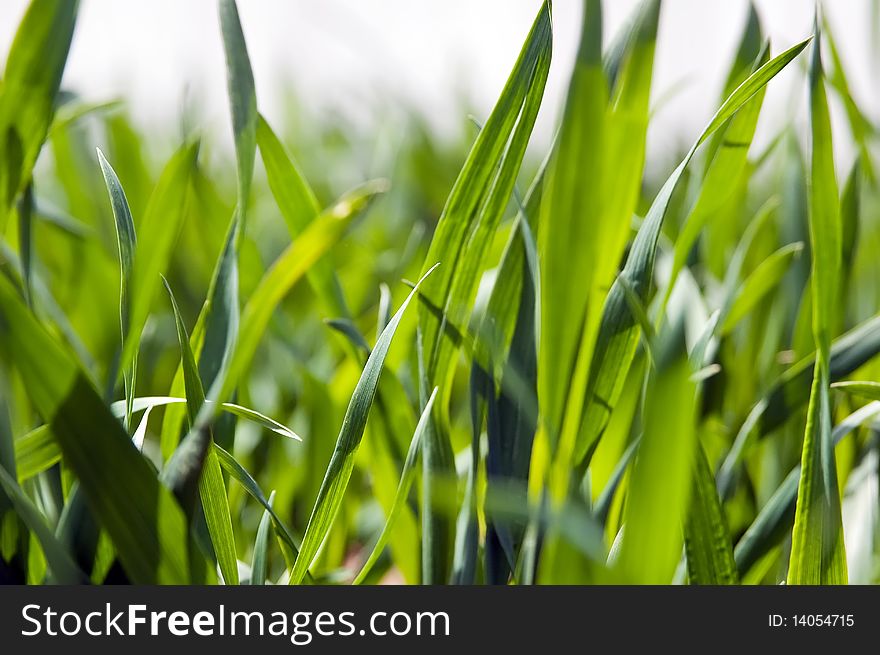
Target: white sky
{"x":360,"y":54}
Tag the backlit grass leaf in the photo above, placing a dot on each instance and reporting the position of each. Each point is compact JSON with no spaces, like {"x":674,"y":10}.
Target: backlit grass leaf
{"x":817,"y":549}
{"x":661,"y":480}
{"x":476,"y":204}
{"x":212,"y":487}
{"x":618,"y":333}
{"x":259,"y":562}
{"x":342,"y":461}
{"x":407,"y":476}
{"x":776,"y":517}
{"x":34,"y":66}
{"x":126,"y":242}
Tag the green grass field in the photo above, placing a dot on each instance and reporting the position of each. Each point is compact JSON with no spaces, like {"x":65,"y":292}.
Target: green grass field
{"x":482,"y":367}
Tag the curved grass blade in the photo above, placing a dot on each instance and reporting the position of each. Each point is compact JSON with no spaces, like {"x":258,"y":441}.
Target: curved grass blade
{"x":342,"y":461}
{"x":127,"y":244}
{"x":158,"y":232}
{"x":730,"y":149}
{"x":34,"y":67}
{"x":618,"y":333}
{"x":817,"y":548}
{"x":212,"y":487}
{"x":407,"y":475}
{"x":290,"y":546}
{"x":476,"y":204}
{"x":142,"y":518}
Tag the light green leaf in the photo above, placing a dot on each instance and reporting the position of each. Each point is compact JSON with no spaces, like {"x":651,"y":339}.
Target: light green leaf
{"x":407,"y":475}
{"x":342,"y":461}
{"x":817,"y":548}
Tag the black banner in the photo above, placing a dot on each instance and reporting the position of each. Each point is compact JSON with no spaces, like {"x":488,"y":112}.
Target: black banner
{"x":429,"y":619}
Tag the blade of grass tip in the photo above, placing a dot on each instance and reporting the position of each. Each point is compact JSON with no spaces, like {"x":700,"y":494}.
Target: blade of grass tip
{"x":159,"y":229}
{"x":222,"y":311}
{"x":729,"y":161}
{"x":127,"y":243}
{"x":62,"y":568}
{"x":242,"y":98}
{"x":618,"y":332}
{"x":407,"y":475}
{"x":342,"y":461}
{"x":775,"y":519}
{"x":34,"y":66}
{"x":817,"y":549}
{"x":261,"y":547}
{"x":143,"y":520}
{"x":37,"y":450}
{"x":619,"y":128}
{"x":385,"y":308}
{"x":573,"y":191}
{"x":476,"y":205}
{"x":792,"y":390}
{"x":141,"y":432}
{"x":212,"y":488}
{"x":708,"y":549}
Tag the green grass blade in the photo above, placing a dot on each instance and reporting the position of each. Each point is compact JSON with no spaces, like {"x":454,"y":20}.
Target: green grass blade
{"x":242,"y":98}
{"x":63,"y":570}
{"x":777,"y":516}
{"x":817,"y":548}
{"x":299,"y":207}
{"x":342,"y":461}
{"x":407,"y":475}
{"x":661,"y":479}
{"x":212,"y":487}
{"x":476,"y":204}
{"x":144,"y":521}
{"x":261,"y":547}
{"x":792,"y":390}
{"x":570,"y":211}
{"x":31,"y":80}
{"x":158,"y":232}
{"x":618,"y":333}
{"x":758,"y":284}
{"x":127,"y":244}
{"x":721,"y":179}
{"x":707,"y":542}
{"x":290,"y":546}
{"x":296,"y":260}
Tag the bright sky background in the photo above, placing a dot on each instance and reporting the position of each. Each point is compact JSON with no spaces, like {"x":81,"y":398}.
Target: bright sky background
{"x":359,"y":54}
